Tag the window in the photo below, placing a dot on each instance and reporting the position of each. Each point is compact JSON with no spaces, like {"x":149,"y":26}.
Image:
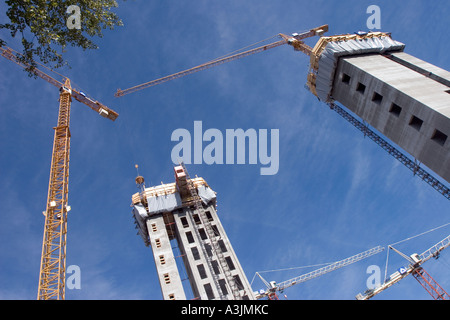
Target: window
{"x":208,"y":250}
{"x":223,"y":286}
{"x":416,"y":123}
{"x":195,"y":253}
{"x":345,"y":78}
{"x":377,"y":98}
{"x":209,"y":216}
{"x":162,"y":260}
{"x":166,"y":278}
{"x":189,"y":237}
{"x":171,"y":296}
{"x":215,"y":230}
{"x":230,"y":263}
{"x":184,"y":222}
{"x":238,"y":282}
{"x":196,"y":219}
{"x":203,"y":234}
{"x":215,"y":266}
{"x":395,"y":109}
{"x":158,"y":243}
{"x":360,"y":88}
{"x":222,"y":246}
{"x":201,"y":271}
{"x":439,"y":137}
{"x":209,"y":291}
{"x":154,"y":229}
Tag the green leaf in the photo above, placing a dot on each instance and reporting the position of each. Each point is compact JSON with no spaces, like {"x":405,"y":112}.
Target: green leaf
{"x":45,"y":35}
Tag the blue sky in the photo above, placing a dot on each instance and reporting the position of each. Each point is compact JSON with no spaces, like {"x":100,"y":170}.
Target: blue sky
{"x":335,"y":194}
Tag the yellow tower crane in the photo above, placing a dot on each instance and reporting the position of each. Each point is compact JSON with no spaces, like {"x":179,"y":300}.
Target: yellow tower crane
{"x":53,"y":259}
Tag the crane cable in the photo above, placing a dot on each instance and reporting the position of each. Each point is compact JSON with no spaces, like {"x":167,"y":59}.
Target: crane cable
{"x":406,"y":239}
{"x":444,"y":262}
{"x":420,"y":234}
{"x":242,"y":49}
{"x":249,"y":46}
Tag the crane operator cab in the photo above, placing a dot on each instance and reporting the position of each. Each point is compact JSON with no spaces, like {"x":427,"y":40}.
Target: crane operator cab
{"x":416,"y":259}
{"x":64,"y":89}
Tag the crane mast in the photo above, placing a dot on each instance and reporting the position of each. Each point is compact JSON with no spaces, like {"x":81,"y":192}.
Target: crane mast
{"x":53,"y":259}
{"x":430,"y":285}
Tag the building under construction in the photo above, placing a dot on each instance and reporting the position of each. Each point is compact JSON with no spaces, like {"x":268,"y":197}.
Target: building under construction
{"x":184,"y":213}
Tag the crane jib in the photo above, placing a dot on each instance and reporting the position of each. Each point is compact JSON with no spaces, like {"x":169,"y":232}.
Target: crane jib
{"x":201,"y":67}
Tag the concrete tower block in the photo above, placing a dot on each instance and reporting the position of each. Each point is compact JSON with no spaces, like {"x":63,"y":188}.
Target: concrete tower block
{"x":401,"y":96}
{"x":405,"y":99}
